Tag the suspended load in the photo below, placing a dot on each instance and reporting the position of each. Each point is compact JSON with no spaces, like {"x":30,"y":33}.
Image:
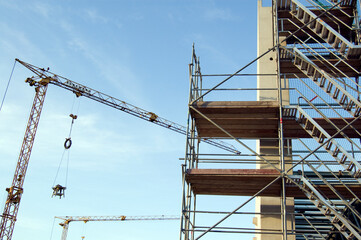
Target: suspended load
{"x":59,"y":190}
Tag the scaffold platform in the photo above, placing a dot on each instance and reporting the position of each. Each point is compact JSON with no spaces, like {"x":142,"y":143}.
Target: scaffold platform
{"x":256,"y":119}
{"x":248,"y":182}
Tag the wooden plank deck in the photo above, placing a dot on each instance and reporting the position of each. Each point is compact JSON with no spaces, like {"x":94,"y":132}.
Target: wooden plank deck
{"x":254,"y":119}
{"x":247,"y":182}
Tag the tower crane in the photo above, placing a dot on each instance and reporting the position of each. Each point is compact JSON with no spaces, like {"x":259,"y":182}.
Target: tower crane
{"x":41,"y":80}
{"x":68,"y":219}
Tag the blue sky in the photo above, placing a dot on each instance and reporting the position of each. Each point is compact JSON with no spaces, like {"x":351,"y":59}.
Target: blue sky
{"x":137,"y":51}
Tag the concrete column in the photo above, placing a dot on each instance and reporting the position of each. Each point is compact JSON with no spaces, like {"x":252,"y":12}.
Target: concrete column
{"x":268,"y":65}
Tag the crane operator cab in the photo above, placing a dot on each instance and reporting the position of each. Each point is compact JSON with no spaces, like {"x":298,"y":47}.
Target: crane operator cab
{"x":59,"y":191}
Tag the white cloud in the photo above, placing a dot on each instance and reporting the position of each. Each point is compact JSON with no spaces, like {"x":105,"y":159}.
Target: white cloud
{"x":94,"y":16}
{"x":114,"y":71}
{"x":41,"y":9}
{"x":18,"y":44}
{"x":215,"y":14}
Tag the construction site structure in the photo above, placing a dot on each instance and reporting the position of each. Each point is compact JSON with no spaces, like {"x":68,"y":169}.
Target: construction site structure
{"x":40,"y":82}
{"x":68,"y":219}
{"x":298,"y":121}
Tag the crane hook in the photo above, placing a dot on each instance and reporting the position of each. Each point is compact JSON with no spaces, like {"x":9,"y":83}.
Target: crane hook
{"x":67,"y":143}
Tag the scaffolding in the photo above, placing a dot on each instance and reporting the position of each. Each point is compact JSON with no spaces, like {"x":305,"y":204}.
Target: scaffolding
{"x":297,"y":125}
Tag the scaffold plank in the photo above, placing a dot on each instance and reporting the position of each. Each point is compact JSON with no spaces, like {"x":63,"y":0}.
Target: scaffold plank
{"x":256,"y":119}
{"x":247,"y":182}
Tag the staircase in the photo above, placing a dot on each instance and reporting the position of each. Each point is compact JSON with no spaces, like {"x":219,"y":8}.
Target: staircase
{"x":335,"y":214}
{"x":329,"y":210}
{"x":313,"y":29}
{"x":321,"y":29}
{"x":330,"y":144}
{"x":324,"y":81}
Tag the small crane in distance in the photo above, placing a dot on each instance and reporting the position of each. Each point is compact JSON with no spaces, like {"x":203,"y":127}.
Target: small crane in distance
{"x":68,"y":219}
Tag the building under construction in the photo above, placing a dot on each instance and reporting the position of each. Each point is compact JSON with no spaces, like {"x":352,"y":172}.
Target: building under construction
{"x":299,"y":141}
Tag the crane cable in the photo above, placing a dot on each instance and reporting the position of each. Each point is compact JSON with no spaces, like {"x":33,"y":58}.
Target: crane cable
{"x":58,"y":190}
{"x":52,"y":230}
{"x":7,"y":86}
{"x":83,"y":230}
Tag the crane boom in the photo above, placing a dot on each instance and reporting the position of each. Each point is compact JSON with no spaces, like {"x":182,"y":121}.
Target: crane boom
{"x":40,"y":82}
{"x":81,"y":90}
{"x":69,"y":219}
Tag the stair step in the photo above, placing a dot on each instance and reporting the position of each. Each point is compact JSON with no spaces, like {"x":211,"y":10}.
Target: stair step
{"x":331,"y":38}
{"x":327,"y":211}
{"x":312,"y":24}
{"x":335,"y":93}
{"x":357,"y":111}
{"x":343,"y":47}
{"x":315,"y":131}
{"x":322,"y":82}
{"x":300,"y":13}
{"x":324,"y":33}
{"x":350,"y":167}
{"x":304,"y":65}
{"x":306,"y":18}
{"x":298,"y":61}
{"x":343,"y":159}
{"x":336,"y":43}
{"x":343,"y":99}
{"x":316,"y":75}
{"x":319,"y":27}
{"x":357,"y":174}
{"x":336,"y":152}
{"x":310,"y":70}
{"x":343,"y":228}
{"x":335,"y":220}
{"x":329,"y":87}
{"x":329,"y":145}
{"x":321,"y":138}
{"x":350,"y":105}
{"x":284,"y":4}
{"x":294,"y":8}
{"x":350,"y":237}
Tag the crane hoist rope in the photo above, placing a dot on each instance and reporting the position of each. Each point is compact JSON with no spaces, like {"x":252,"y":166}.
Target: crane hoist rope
{"x":58,"y":189}
{"x":7,"y":86}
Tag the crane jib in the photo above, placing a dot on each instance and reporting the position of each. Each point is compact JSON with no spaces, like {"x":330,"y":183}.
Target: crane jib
{"x":77,"y":86}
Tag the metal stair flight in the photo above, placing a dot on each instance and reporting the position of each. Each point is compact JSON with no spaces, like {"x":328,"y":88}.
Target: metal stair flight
{"x":321,"y":29}
{"x":329,"y":210}
{"x":328,"y":84}
{"x":345,"y":159}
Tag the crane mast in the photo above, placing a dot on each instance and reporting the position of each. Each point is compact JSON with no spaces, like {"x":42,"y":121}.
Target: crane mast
{"x":68,"y":219}
{"x":40,"y":81}
{"x":11,"y":208}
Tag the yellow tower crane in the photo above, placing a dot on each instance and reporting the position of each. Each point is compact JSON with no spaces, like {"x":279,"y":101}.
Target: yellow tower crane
{"x":41,"y":80}
{"x":68,"y":219}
